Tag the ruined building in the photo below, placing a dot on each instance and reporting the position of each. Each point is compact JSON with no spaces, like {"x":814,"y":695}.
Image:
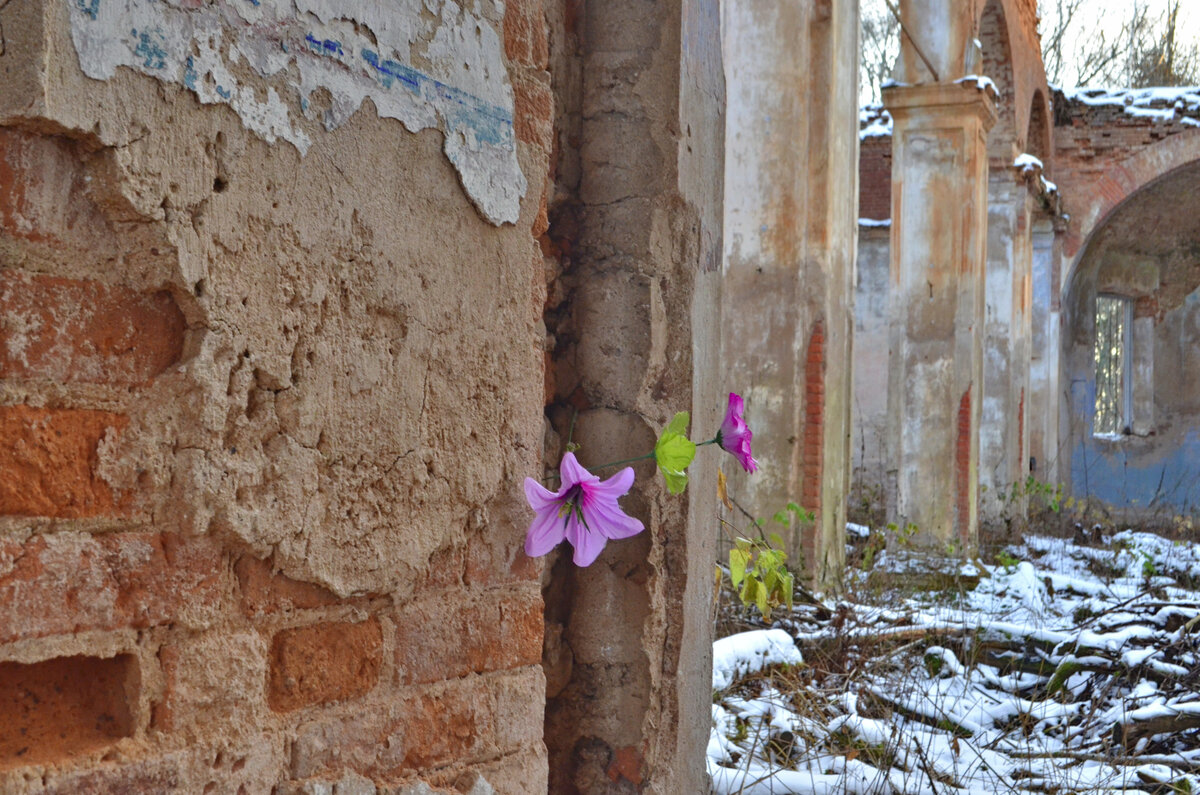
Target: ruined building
{"x":294,"y":295}
{"x":1090,"y":256}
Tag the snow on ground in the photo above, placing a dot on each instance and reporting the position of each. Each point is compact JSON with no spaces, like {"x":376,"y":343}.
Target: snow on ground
{"x":1066,"y":666}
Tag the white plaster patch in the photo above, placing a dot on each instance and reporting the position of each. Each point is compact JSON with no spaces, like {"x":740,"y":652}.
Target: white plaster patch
{"x":427,"y":63}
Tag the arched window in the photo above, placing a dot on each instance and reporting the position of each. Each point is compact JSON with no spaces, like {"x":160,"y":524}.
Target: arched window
{"x":1112,"y":353}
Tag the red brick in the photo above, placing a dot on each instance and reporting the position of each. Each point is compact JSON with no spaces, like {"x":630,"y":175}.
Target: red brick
{"x":525,"y":36}
{"x":627,"y":764}
{"x":265,"y":592}
{"x":63,"y":707}
{"x":143,"y":777}
{"x":324,"y":663}
{"x":1021,"y":429}
{"x":48,"y":461}
{"x":71,"y":582}
{"x":72,"y":331}
{"x":466,"y":721}
{"x":162,"y":711}
{"x":962,"y":464}
{"x":533,"y":112}
{"x":493,"y":631}
{"x":453,"y":725}
{"x":814,"y":418}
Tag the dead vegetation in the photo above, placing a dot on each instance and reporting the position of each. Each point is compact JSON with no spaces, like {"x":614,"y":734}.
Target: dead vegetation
{"x":1059,"y":667}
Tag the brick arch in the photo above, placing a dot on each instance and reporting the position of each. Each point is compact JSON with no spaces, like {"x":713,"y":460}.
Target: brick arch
{"x":1037,"y":135}
{"x":993,"y":35}
{"x":1097,"y":196}
{"x":1011,"y":26}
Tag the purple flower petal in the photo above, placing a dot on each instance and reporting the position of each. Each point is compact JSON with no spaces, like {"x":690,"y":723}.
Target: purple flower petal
{"x":540,"y":498}
{"x":546,"y":532}
{"x":574,"y":474}
{"x":607,"y":519}
{"x":588,"y":544}
{"x":616,"y":486}
{"x":734,"y":436}
{"x":584,"y":511}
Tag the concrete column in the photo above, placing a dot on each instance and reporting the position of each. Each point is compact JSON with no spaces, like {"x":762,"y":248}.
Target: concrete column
{"x":1004,"y":429}
{"x":629,"y":638}
{"x":790,"y":216}
{"x":1042,"y":407}
{"x":936,"y":306}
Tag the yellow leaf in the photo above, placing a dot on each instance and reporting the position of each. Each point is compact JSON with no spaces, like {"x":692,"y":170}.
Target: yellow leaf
{"x":721,"y":492}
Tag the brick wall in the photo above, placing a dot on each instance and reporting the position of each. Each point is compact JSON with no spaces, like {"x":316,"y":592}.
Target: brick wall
{"x":875,"y":177}
{"x":962,"y":466}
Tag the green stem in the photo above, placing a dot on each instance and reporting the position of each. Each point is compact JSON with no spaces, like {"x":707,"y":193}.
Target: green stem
{"x":710,"y":441}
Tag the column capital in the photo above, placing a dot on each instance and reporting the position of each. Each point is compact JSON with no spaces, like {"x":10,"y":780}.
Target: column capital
{"x":962,"y":100}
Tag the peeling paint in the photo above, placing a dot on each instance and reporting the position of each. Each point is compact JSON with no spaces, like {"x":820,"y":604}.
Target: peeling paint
{"x":427,"y":63}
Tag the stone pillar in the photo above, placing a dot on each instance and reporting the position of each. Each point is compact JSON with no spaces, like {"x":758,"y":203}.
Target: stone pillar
{"x":637,"y":220}
{"x":936,"y":306}
{"x":1004,"y":429}
{"x":790,"y":216}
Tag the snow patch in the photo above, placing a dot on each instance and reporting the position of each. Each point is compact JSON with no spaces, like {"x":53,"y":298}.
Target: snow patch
{"x":750,"y":652}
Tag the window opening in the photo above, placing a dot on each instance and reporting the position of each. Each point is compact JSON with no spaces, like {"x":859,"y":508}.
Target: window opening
{"x":1114,"y":324}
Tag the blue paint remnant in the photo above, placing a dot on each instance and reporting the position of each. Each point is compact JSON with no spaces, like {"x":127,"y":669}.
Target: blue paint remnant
{"x":189,"y":73}
{"x":1131,"y":471}
{"x":224,"y":92}
{"x":390,"y":71}
{"x":89,"y":7}
{"x":325,"y":46}
{"x":255,"y":2}
{"x":150,"y":49}
{"x":490,"y":124}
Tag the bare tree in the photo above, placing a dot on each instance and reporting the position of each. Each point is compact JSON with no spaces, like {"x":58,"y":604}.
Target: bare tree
{"x":1057,"y":17}
{"x":1144,"y":51}
{"x":880,"y":48}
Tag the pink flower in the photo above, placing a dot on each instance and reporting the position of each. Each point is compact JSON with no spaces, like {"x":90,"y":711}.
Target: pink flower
{"x":584,"y":511}
{"x":734,"y":436}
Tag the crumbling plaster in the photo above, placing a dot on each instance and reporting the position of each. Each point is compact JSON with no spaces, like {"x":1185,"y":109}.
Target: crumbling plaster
{"x":429,"y":63}
{"x":353,"y":399}
{"x":332,"y":405}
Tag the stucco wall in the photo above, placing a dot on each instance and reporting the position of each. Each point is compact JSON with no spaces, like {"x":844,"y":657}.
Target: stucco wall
{"x":271,"y":376}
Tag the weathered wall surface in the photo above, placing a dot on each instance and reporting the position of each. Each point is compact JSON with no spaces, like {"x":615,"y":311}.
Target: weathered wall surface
{"x":1145,"y":252}
{"x":790,"y":216}
{"x":868,"y":445}
{"x":269,"y":380}
{"x":1125,"y":164}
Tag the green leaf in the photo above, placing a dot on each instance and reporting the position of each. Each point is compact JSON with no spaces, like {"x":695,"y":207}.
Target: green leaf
{"x":678,"y":423}
{"x":781,"y":517}
{"x":674,"y":452}
{"x":749,"y":592}
{"x":764,"y":605}
{"x":789,"y":586}
{"x":776,"y":540}
{"x":738,"y":559}
{"x":676,"y":481}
